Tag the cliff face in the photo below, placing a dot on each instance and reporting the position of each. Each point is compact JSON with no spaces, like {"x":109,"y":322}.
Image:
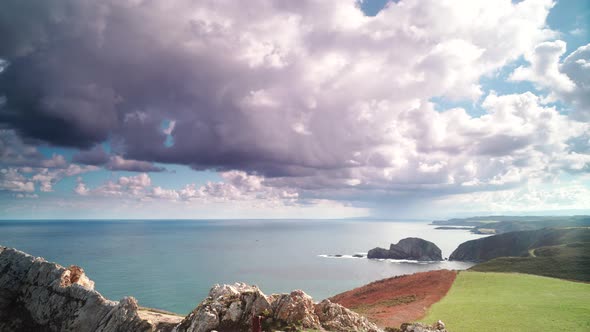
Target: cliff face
{"x":409,"y":248}
{"x":36,"y":295}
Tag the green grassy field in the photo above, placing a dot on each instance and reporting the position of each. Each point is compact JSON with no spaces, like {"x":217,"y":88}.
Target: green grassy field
{"x":571,"y":261}
{"x":490,"y":301}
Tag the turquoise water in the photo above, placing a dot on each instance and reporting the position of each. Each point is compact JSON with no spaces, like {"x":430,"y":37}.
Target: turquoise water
{"x":172,"y":264}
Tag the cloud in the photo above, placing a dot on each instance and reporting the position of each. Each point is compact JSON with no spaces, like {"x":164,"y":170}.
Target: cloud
{"x":118,"y":163}
{"x":27,"y":196}
{"x":577,"y":32}
{"x":98,"y":157}
{"x":46,"y":177}
{"x":565,"y":196}
{"x":11,"y":180}
{"x":568,"y":80}
{"x":15,"y":152}
{"x":23,"y":166}
{"x":304,"y":101}
{"x":125,"y":186}
{"x":243,"y":90}
{"x":236,"y":186}
{"x":80,"y":188}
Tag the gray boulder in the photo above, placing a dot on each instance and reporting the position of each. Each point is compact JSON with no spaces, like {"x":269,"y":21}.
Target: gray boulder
{"x":421,"y":327}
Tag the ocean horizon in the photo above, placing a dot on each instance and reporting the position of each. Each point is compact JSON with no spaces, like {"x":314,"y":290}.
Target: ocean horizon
{"x":172,"y":264}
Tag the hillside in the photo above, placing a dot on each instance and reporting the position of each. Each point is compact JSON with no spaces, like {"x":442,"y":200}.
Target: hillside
{"x":517,"y":243}
{"x":513,"y":302}
{"x":570,"y":261}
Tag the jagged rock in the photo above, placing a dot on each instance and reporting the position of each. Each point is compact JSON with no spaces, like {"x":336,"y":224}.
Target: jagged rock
{"x":334,"y":317}
{"x":296,"y":308}
{"x":420,"y":327}
{"x":227,"y":308}
{"x":36,"y":295}
{"x":409,"y":248}
{"x":231,"y":308}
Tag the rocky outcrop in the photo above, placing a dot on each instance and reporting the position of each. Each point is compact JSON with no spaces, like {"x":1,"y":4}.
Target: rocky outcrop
{"x":228,"y":307}
{"x":36,"y":295}
{"x":410,"y":248}
{"x":334,"y":317}
{"x":231,"y":308}
{"x":420,"y":327}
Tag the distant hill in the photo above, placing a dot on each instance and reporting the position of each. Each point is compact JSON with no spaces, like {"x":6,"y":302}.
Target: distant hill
{"x":504,"y":224}
{"x":554,"y":252}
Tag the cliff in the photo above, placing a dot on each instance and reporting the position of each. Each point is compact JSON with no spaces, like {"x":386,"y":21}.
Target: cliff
{"x":36,"y":295}
{"x":517,"y":244}
{"x":409,"y":248}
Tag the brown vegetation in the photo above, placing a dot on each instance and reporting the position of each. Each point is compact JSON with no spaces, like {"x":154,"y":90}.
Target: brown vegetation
{"x":393,"y":301}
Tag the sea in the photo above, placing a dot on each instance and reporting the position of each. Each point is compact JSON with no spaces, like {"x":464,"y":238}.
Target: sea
{"x":172,"y":264}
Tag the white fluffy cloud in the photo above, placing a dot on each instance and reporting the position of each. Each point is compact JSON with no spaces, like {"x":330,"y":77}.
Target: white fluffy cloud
{"x":236,"y":186}
{"x":517,"y":140}
{"x":568,"y":81}
{"x":12,"y":180}
{"x":48,"y":177}
{"x":557,"y":197}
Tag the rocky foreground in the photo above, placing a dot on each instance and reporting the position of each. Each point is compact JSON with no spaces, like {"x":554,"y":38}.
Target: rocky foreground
{"x":36,"y":295}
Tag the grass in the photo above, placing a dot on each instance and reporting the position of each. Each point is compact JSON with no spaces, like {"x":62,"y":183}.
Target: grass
{"x":513,"y":302}
{"x":571,"y":261}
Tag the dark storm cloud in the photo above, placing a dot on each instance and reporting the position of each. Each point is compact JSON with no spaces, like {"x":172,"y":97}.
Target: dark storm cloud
{"x":83,"y":71}
{"x":96,"y":156}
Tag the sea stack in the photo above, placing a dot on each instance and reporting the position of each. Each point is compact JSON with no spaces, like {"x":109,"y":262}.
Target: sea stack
{"x":409,"y":248}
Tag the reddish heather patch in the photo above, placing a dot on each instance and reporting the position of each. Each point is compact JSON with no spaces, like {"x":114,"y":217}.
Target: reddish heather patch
{"x":393,"y":301}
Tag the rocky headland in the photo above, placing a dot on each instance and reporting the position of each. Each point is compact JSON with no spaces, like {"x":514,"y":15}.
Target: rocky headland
{"x":36,"y":295}
{"x":505,"y":224}
{"x":518,"y":244}
{"x":411,"y":248}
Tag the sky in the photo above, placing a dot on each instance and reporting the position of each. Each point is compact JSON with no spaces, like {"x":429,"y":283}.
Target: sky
{"x":294,"y":109}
